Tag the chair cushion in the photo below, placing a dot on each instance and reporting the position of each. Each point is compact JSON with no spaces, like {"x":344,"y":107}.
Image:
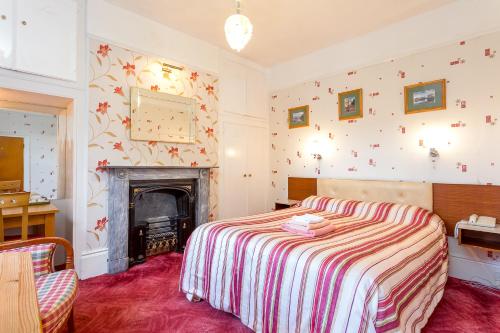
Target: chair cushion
{"x":56,"y":294}
{"x":41,"y":255}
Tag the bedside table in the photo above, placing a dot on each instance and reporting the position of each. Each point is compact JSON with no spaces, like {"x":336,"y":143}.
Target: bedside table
{"x":285,"y":205}
{"x":481,"y":237}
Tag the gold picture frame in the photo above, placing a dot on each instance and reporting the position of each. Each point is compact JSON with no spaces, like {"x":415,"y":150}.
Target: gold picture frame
{"x":298,"y":117}
{"x":425,"y":96}
{"x":350,"y":104}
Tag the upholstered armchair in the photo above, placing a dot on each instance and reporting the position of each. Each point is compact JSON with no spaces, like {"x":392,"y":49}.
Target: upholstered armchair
{"x":56,"y":291}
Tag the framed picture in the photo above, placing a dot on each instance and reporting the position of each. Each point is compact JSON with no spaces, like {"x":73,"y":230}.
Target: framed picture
{"x":426,"y":96}
{"x":351,"y":104}
{"x":298,"y":117}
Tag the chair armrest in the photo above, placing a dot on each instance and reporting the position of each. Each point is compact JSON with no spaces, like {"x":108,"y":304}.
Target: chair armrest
{"x":45,"y":240}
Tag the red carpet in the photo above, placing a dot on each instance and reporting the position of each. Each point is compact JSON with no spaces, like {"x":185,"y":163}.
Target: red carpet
{"x":466,"y":307}
{"x":146,"y":298}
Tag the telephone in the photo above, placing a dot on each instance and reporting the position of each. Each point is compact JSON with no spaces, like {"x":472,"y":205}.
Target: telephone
{"x":483,"y":221}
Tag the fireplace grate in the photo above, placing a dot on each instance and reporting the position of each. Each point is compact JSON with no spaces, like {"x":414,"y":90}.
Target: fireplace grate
{"x":161,"y":243}
{"x":161,"y":217}
{"x":158,"y":219}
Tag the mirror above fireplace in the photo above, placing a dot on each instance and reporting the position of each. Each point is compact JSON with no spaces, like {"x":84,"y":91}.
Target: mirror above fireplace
{"x":157,"y":116}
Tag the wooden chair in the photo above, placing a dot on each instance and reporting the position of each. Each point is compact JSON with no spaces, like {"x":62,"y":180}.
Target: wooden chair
{"x":15,"y":200}
{"x":9,"y":186}
{"x":56,"y":291}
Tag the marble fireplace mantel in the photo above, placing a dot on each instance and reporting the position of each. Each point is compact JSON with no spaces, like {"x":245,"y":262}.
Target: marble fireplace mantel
{"x":118,"y":205}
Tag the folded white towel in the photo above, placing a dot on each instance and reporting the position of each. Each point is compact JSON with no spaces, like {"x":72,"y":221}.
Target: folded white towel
{"x":307,"y":226}
{"x":307,"y":219}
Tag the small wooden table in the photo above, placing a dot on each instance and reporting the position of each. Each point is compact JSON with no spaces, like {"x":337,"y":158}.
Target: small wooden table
{"x":284,"y":205}
{"x":482,"y":237}
{"x":37,"y":215}
{"x":19,"y":306}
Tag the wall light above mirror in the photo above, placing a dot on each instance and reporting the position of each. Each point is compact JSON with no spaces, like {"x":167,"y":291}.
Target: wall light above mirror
{"x":165,"y":71}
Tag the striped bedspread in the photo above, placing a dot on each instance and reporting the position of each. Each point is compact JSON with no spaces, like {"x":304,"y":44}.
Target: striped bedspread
{"x":383,"y":269}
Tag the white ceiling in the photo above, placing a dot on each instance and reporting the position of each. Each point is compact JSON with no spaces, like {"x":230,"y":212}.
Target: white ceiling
{"x":283,"y":29}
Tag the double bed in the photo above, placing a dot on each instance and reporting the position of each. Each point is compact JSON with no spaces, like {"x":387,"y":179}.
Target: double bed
{"x":382,"y":269}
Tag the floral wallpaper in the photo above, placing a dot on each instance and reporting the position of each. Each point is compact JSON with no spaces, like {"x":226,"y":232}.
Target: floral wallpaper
{"x":40,"y":138}
{"x":386,"y":143}
{"x":113,"y":71}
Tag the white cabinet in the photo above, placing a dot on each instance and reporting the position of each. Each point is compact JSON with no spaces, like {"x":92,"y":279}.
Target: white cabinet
{"x":244,"y":153}
{"x":6,"y":33}
{"x":243,"y":89}
{"x":234,"y":167}
{"x":258,"y":169}
{"x":245,"y":168}
{"x":256,"y":94}
{"x":42,"y":38}
{"x":232,"y":87}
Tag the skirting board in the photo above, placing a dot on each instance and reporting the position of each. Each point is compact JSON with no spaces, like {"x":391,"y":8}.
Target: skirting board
{"x":93,"y":263}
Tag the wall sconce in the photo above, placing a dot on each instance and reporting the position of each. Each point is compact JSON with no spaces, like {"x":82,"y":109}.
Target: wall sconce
{"x":164,"y":70}
{"x":435,"y":139}
{"x":317,"y":147}
{"x":168,"y":71}
{"x":434,"y":153}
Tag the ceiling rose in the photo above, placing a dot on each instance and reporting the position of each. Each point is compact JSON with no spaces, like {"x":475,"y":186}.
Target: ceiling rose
{"x":238,"y":29}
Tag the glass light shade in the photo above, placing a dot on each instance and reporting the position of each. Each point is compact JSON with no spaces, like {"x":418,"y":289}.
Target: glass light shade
{"x":436,"y":137}
{"x":156,"y":69}
{"x":238,"y":29}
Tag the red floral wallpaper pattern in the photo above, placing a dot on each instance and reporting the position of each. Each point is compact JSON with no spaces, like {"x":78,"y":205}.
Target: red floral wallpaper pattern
{"x":386,"y":143}
{"x":113,"y":71}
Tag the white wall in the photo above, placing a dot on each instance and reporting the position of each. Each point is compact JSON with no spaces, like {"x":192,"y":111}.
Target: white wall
{"x":459,"y":20}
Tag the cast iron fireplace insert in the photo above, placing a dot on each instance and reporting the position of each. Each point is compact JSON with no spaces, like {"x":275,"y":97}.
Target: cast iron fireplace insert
{"x":161,"y":216}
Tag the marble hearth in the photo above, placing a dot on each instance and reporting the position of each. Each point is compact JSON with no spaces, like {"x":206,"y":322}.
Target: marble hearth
{"x":118,"y":206}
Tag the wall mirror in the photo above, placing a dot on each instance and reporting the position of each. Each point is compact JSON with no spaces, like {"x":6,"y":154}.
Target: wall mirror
{"x":157,"y":116}
{"x":31,"y":152}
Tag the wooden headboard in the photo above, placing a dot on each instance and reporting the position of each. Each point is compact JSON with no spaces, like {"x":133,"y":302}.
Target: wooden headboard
{"x":452,"y":202}
{"x":301,"y":188}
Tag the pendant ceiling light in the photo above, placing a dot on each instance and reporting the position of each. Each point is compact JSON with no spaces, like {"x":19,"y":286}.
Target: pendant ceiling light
{"x":238,"y":29}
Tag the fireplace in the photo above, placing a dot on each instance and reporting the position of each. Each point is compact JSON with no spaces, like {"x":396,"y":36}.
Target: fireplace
{"x":153,"y":210}
{"x":161,"y":216}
